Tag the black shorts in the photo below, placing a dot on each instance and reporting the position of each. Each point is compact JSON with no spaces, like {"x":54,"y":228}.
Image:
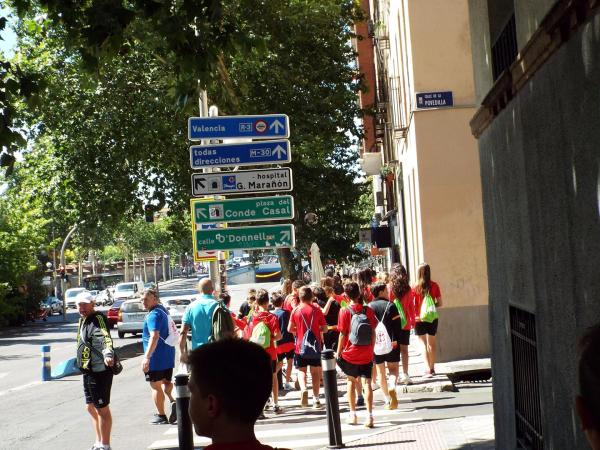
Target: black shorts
{"x":330,"y":339}
{"x":300,"y":362}
{"x":96,"y":387}
{"x":159,"y":375}
{"x":430,"y":328}
{"x":393,"y":356}
{"x":355,"y":370}
{"x":404,"y":338}
{"x":286,"y":355}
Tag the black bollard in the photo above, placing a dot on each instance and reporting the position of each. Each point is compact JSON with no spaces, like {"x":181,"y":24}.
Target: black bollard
{"x":331,"y":399}
{"x":184,"y":422}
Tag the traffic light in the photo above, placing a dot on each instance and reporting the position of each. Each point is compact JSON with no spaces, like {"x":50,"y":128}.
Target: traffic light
{"x":149,"y":213}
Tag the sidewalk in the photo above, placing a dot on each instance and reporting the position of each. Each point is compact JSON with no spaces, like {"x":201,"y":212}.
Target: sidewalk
{"x":468,"y":431}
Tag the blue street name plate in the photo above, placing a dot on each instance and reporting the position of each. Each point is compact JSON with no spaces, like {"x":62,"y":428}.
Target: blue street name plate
{"x":268,"y":126}
{"x":434,"y":99}
{"x":247,"y":154}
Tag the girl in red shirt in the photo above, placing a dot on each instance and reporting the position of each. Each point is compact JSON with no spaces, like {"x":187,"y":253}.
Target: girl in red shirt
{"x":402,"y":296}
{"x":426,"y":331}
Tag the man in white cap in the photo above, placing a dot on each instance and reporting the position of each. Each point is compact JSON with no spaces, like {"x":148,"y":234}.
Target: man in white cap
{"x":94,"y":358}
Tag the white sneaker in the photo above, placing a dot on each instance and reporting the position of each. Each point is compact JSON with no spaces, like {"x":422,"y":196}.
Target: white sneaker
{"x":405,"y":379}
{"x":374,"y":386}
{"x":288,"y":387}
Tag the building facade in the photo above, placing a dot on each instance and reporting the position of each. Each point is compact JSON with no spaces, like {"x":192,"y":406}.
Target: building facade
{"x":537,"y":71}
{"x":425,"y":162}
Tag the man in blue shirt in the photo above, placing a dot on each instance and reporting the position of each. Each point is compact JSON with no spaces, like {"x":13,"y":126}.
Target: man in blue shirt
{"x":198,"y":317}
{"x":159,"y":357}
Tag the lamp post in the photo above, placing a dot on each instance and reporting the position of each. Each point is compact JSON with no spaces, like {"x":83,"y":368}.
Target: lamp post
{"x":62,"y":264}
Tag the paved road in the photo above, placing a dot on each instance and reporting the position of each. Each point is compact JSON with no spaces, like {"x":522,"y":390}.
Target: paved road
{"x":51,"y":415}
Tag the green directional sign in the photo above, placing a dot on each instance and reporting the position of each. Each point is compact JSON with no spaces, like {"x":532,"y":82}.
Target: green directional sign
{"x":265,"y":236}
{"x":257,"y":209}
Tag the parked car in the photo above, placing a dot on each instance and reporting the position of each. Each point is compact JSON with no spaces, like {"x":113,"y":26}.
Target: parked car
{"x":149,"y":285}
{"x":94,"y":293}
{"x":55,"y":304}
{"x":177,"y":305}
{"x":70,"y":295}
{"x":113,"y":313}
{"x":130,"y":290}
{"x":131,"y":317}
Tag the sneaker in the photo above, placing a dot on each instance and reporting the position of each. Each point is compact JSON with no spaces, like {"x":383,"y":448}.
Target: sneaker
{"x":277,"y":409}
{"x":427,"y":374}
{"x":405,"y":379}
{"x":369,"y":422}
{"x":159,"y":419}
{"x":173,"y":415}
{"x":374,"y":386}
{"x":393,"y":404}
{"x":262,"y":416}
{"x":288,"y":387}
{"x":317,"y":404}
{"x":352,"y":420}
{"x":304,"y":399}
{"x":360,"y":401}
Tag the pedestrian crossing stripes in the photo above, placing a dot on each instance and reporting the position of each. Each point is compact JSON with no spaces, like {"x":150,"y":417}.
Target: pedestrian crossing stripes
{"x":301,"y":428}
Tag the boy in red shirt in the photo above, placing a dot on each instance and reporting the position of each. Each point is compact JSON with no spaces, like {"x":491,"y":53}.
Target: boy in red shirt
{"x":262,"y":315}
{"x":306,"y":316}
{"x":215,"y":408}
{"x":355,"y":349}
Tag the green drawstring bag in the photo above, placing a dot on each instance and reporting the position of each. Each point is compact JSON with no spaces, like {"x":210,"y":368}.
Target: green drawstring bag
{"x":401,"y":311}
{"x":428,"y":311}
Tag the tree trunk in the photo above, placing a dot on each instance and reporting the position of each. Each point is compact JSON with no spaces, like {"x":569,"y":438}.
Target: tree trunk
{"x":289,"y":264}
{"x":80,"y":272}
{"x":145,"y":272}
{"x":164,"y":267}
{"x":126,"y":269}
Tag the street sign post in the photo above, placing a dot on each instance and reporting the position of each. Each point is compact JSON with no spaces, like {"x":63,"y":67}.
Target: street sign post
{"x":242,"y":182}
{"x":260,"y":237}
{"x":256,"y":209}
{"x":247,"y":154}
{"x":267,"y":126}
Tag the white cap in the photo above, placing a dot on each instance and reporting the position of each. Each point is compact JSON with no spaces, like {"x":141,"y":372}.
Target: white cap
{"x":84,"y":297}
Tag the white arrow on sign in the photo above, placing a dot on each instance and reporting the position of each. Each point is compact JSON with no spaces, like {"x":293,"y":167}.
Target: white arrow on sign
{"x":277,"y":125}
{"x":285,"y":236}
{"x":201,"y":214}
{"x":278,"y":151}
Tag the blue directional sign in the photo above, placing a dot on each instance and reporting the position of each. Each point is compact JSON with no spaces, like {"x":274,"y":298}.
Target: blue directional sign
{"x":247,"y":154}
{"x":268,"y":126}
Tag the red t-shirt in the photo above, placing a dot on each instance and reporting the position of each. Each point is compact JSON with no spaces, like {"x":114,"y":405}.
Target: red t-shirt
{"x":355,"y":354}
{"x":408,"y":305}
{"x":368,"y":295}
{"x":434,"y":291}
{"x":291,"y":302}
{"x":249,"y":445}
{"x":318,"y":320}
{"x":341,"y":298}
{"x":240,"y":323}
{"x":271,"y":321}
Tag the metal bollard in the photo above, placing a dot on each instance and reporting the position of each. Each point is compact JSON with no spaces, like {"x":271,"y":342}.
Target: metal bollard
{"x":184,"y":422}
{"x":46,"y":373}
{"x":331,"y":399}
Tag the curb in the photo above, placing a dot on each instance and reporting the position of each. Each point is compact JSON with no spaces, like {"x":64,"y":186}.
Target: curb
{"x":443,"y":385}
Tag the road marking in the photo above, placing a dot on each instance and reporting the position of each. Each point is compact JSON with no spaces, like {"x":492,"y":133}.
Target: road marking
{"x":20,"y":388}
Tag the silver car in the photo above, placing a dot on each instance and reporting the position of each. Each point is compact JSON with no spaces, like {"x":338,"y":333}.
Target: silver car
{"x":131,"y":318}
{"x":176,"y":306}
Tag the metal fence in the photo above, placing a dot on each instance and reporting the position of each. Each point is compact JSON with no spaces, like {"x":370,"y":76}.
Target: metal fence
{"x":526,"y":380}
{"x":504,"y":50}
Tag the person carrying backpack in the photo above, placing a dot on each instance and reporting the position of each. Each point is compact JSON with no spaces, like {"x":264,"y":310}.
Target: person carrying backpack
{"x":356,"y":325}
{"x":264,"y":331}
{"x":286,"y":345}
{"x":401,"y":294}
{"x":307,"y":322}
{"x":386,"y":350}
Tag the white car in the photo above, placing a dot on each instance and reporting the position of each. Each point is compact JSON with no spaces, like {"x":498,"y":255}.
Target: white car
{"x":127,"y":291}
{"x":70,"y":295}
{"x":131,"y":318}
{"x":177,"y":305}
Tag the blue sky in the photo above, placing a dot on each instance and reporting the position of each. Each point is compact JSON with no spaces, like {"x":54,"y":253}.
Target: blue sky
{"x":8,"y":36}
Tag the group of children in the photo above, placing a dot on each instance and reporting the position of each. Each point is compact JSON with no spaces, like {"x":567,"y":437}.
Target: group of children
{"x":366,"y":319}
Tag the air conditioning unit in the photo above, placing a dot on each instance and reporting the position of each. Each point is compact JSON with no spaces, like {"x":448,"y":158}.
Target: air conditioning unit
{"x":371,"y":162}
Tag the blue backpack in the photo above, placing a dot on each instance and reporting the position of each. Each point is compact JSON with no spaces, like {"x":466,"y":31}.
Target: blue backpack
{"x":310,"y":348}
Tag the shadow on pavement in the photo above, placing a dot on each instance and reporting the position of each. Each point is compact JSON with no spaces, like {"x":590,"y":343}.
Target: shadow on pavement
{"x":131,"y":350}
{"x":406,"y":441}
